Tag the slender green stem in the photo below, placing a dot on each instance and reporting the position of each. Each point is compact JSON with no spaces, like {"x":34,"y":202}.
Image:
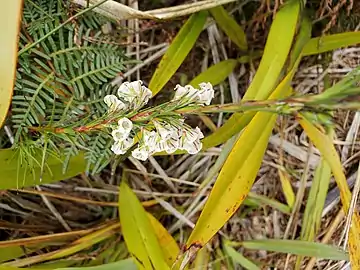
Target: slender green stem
{"x":32,"y":45}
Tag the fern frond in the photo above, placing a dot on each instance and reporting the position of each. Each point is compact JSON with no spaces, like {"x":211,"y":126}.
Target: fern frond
{"x":64,"y":78}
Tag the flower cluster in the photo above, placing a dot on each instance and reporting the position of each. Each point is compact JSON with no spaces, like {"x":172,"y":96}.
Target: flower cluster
{"x":189,"y":94}
{"x":122,"y":137}
{"x":159,"y":134}
{"x":132,"y":95}
{"x":168,"y":138}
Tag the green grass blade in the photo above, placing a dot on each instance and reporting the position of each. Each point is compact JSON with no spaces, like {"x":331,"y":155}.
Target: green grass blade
{"x":178,"y":50}
{"x":239,"y":258}
{"x":230,"y":27}
{"x":298,"y":247}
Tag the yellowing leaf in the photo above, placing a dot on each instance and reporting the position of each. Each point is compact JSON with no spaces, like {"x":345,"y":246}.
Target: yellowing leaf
{"x":216,"y":73}
{"x":328,"y":152}
{"x":287,"y":188}
{"x":230,"y":27}
{"x":276,"y":52}
{"x":167,"y":243}
{"x":10,"y":17}
{"x":234,"y":180}
{"x":331,"y":42}
{"x":237,"y":175}
{"x":178,"y":50}
{"x":138,"y":232}
{"x":15,"y":175}
{"x":201,"y":260}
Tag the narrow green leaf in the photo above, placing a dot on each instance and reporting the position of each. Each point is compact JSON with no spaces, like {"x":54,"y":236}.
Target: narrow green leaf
{"x":216,"y":73}
{"x":329,"y":153}
{"x":52,"y":172}
{"x":240,"y":259}
{"x":331,"y":42}
{"x":230,"y":27}
{"x":138,"y":232}
{"x":10,"y":17}
{"x":316,"y":201}
{"x":298,"y":247}
{"x":178,"y":50}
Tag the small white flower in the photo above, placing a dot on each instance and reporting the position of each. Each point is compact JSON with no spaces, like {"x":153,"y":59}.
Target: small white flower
{"x":200,"y":134}
{"x":125,"y":124}
{"x":140,"y":153}
{"x":206,"y":93}
{"x":186,"y":92}
{"x":119,"y":134}
{"x":120,"y":147}
{"x":114,"y":103}
{"x":193,"y":147}
{"x":134,"y":93}
{"x":170,"y":145}
{"x":191,"y":135}
{"x":166,"y":131}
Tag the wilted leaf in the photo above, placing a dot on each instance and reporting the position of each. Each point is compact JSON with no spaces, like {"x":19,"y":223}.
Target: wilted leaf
{"x":230,"y":27}
{"x":178,"y":50}
{"x":10,"y":17}
{"x":138,"y":232}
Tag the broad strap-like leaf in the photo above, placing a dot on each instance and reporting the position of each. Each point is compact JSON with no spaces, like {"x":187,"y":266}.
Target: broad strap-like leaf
{"x":178,"y":50}
{"x":10,"y":17}
{"x":167,"y":243}
{"x":138,"y":232}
